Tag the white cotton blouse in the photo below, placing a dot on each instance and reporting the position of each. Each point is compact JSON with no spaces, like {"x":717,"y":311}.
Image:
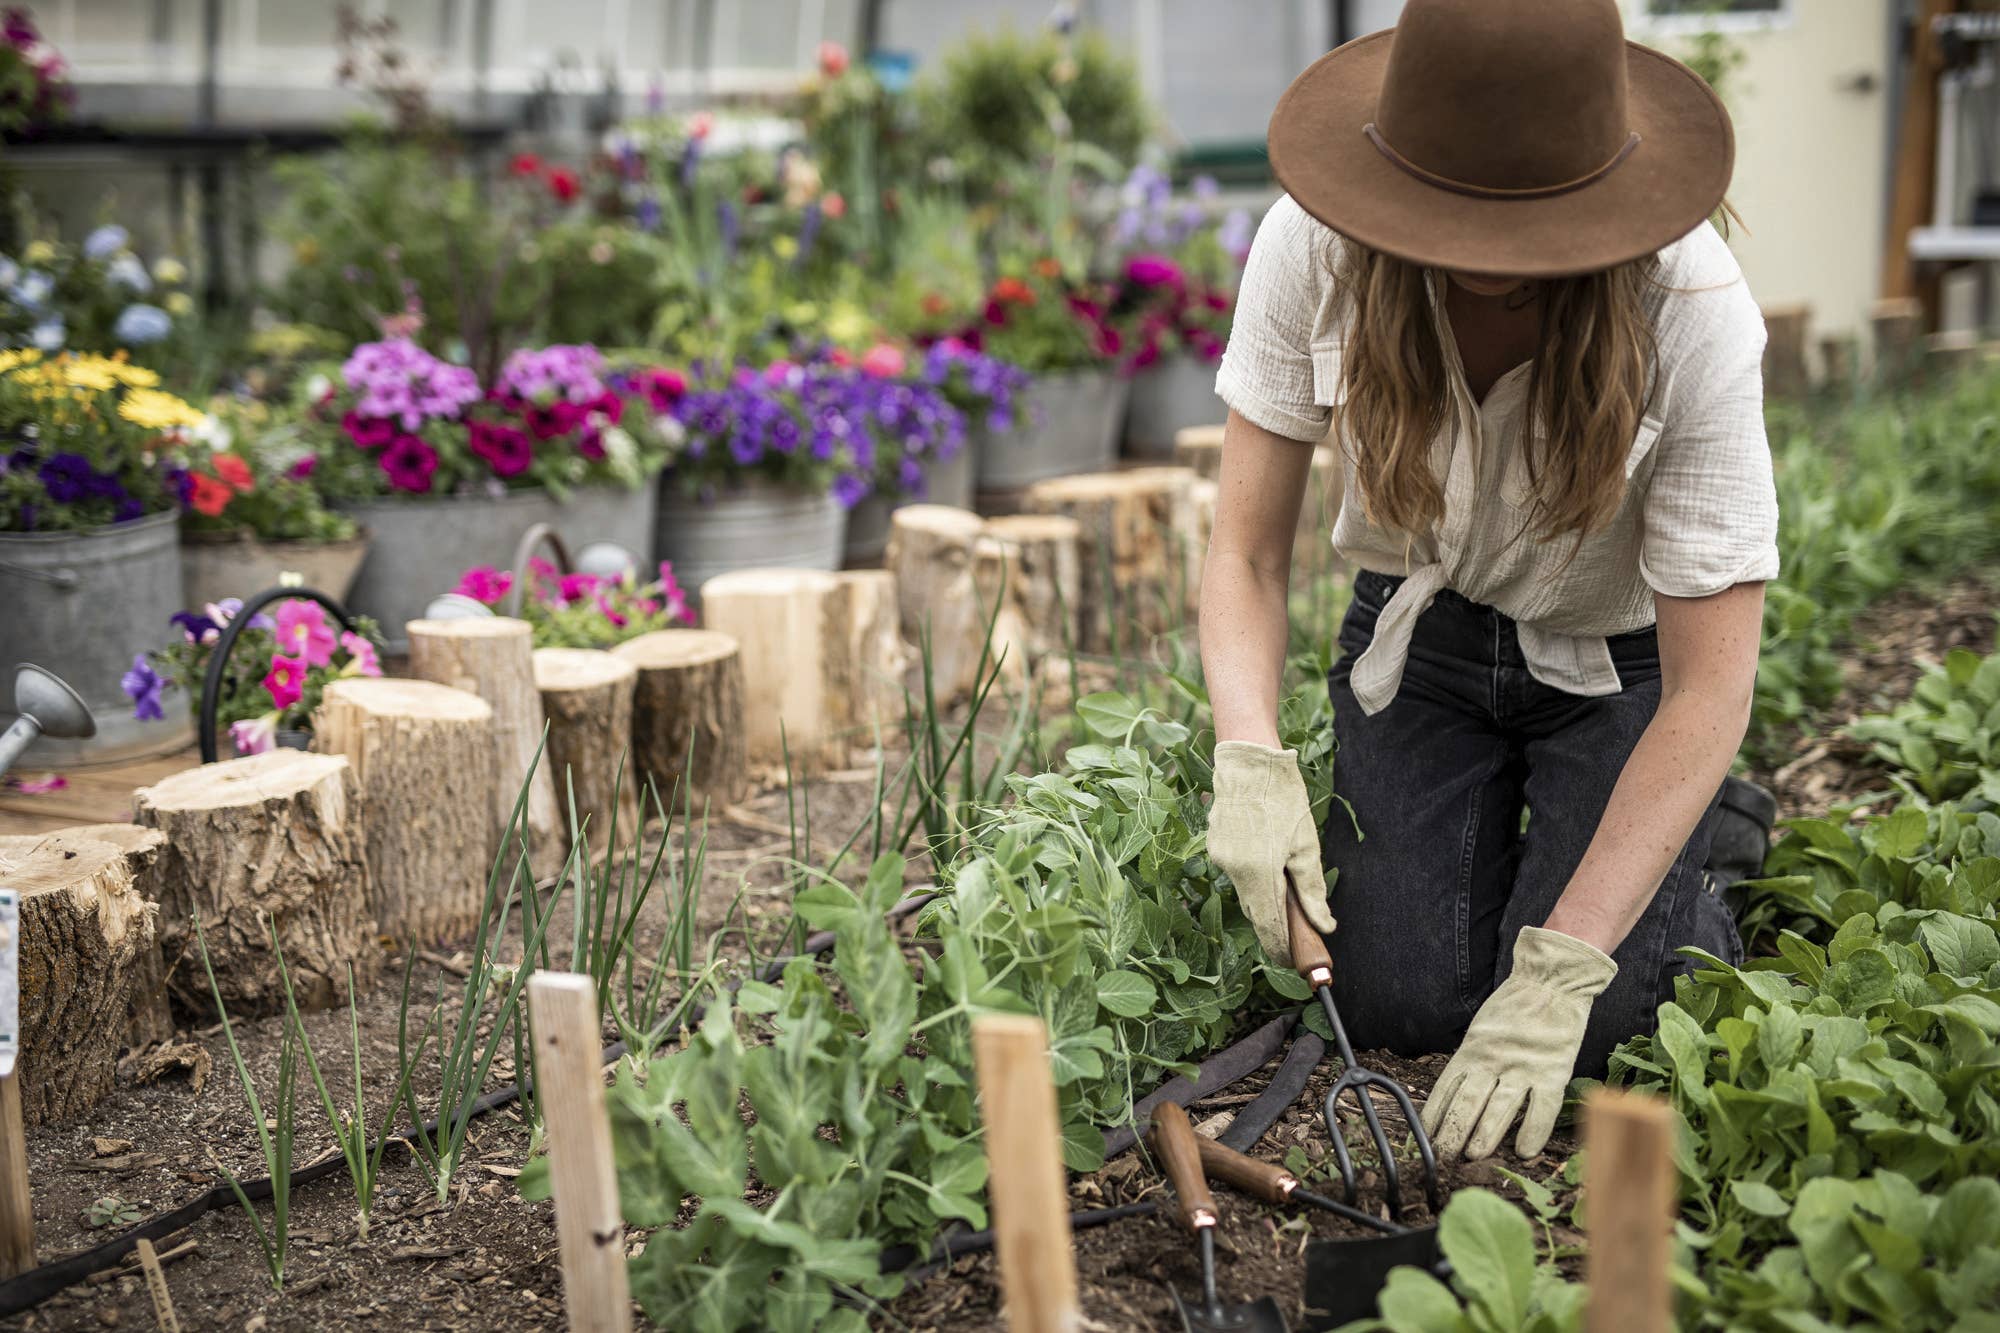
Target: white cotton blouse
{"x":1700,"y":512}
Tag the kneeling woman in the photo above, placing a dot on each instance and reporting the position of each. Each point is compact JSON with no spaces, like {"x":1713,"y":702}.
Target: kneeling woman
{"x":1494,"y":274}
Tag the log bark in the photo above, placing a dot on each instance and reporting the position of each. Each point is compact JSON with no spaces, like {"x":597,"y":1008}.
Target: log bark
{"x":423,"y":756}
{"x":931,"y":556}
{"x":274,"y":837}
{"x":494,"y":659}
{"x":1134,"y":532}
{"x":1200,"y":447}
{"x":150,"y":1017}
{"x":1837,"y":358}
{"x":1785,"y":350}
{"x":1899,"y":325}
{"x":873,"y":667}
{"x":689,"y":695}
{"x":84,"y":928}
{"x":587,"y":698}
{"x":1030,"y":563}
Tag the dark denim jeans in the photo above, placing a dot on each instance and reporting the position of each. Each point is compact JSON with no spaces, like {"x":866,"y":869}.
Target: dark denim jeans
{"x":1441,"y":876}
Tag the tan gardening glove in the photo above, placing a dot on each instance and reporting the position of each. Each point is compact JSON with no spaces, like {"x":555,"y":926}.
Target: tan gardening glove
{"x":1260,"y":827}
{"x":1520,"y":1050}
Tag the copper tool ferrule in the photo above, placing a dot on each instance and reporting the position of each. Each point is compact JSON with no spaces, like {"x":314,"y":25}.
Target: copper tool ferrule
{"x":1320,"y":976}
{"x":1201,"y":1217}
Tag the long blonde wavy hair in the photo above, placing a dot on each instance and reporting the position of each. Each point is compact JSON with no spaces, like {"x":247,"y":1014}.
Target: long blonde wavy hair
{"x":1587,"y":388}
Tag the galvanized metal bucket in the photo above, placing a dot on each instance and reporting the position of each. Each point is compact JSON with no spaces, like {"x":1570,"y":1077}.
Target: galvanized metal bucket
{"x":1167,"y":396}
{"x":419,"y":548}
{"x":83,"y":605}
{"x":1066,"y":423}
{"x":218,"y":566}
{"x":757,"y":525}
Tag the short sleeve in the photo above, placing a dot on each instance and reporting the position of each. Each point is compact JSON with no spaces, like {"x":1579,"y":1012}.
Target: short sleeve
{"x":1266,"y":373}
{"x":1711,"y":512}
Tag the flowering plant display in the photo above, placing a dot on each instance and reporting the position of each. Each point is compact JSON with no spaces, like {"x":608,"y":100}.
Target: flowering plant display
{"x":34,"y":79}
{"x":87,"y":440}
{"x":584,"y":610}
{"x":985,"y":388}
{"x":1037,"y":317}
{"x":1176,"y":267}
{"x":248,"y":474}
{"x":97,"y":296}
{"x":277,"y":670}
{"x":404,"y":421}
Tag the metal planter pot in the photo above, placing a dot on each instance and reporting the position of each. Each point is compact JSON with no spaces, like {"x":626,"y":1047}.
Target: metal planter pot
{"x":83,"y":605}
{"x":1067,"y":423}
{"x":950,"y":482}
{"x":757,"y":525}
{"x":418,"y":548}
{"x":216,"y":565}
{"x":1167,"y":396}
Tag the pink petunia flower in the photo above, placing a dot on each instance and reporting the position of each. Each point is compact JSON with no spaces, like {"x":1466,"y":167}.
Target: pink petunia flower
{"x":254,"y":735}
{"x":303,"y":631}
{"x":883,"y":361}
{"x":286,"y":680}
{"x":577,"y":586}
{"x":484,"y":583}
{"x":362,"y":659}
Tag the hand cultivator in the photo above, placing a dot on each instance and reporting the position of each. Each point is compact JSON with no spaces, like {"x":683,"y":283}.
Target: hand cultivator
{"x":1310,"y":957}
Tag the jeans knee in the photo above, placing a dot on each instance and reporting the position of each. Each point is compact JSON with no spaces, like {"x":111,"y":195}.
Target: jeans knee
{"x":1399,"y":999}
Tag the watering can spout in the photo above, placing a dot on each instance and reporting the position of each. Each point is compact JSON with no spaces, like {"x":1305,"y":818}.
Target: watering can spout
{"x":47,"y":707}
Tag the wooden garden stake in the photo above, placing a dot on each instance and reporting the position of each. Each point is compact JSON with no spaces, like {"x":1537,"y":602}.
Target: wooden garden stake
{"x":1026,"y":1183}
{"x":589,"y":1227}
{"x":156,"y":1287}
{"x":1629,"y":1192}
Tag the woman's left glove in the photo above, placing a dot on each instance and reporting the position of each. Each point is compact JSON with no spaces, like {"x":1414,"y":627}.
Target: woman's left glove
{"x":1520,"y":1050}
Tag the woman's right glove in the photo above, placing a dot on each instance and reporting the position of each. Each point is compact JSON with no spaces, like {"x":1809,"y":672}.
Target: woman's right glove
{"x":1260,"y":831}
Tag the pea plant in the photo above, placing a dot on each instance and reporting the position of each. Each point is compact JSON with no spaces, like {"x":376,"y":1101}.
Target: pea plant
{"x":1944,"y":742}
{"x":1085,"y":899}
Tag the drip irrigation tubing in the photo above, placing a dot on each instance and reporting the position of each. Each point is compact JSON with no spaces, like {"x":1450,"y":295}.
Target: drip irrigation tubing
{"x":1219,"y":1071}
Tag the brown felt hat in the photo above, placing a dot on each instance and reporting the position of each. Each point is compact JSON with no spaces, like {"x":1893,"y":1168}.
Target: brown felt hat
{"x":1513,"y":137}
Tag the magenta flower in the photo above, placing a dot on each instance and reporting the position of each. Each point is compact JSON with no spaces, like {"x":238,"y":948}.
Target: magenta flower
{"x":369,"y":433}
{"x":303,"y":631}
{"x":409,"y":463}
{"x":1154,"y":271}
{"x":303,"y":469}
{"x":286,"y":680}
{"x":484,"y":583}
{"x":506,"y":449}
{"x":577,"y":586}
{"x":361,"y":657}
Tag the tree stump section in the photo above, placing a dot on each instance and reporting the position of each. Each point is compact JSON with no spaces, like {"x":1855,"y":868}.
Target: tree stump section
{"x":1200,"y":447}
{"x":689,"y":694}
{"x":587,"y":698}
{"x":1838,"y":356}
{"x":1898,"y":324}
{"x":270,"y":838}
{"x":1135,"y":527}
{"x":1030,"y":564}
{"x":931,"y":556}
{"x":85,"y":927}
{"x":1785,"y":350}
{"x":423,"y":756}
{"x":150,"y":1016}
{"x":870,"y":699}
{"x":1202,"y":497}
{"x":493,"y":657}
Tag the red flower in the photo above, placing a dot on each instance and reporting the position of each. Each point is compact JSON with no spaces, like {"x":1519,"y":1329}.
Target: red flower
{"x":935,"y":304}
{"x":525,"y":164}
{"x":663,"y":389}
{"x":833,"y":204}
{"x":832,"y":59}
{"x":209,"y":496}
{"x":1216,"y":299}
{"x":1048,"y":267}
{"x":369,"y":433}
{"x":995,"y":313}
{"x":1012,"y":291}
{"x":610,"y":404}
{"x":563,"y":184}
{"x":234,"y":471}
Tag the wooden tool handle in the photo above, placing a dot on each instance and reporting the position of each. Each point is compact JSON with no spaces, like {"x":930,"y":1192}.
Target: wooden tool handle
{"x":1174,"y":1140}
{"x":1308,"y":948}
{"x":1260,"y":1180}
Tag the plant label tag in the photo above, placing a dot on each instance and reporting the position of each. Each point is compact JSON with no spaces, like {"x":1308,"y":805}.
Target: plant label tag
{"x":10,"y":979}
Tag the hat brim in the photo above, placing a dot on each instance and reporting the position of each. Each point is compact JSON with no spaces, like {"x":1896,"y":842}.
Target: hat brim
{"x":1671,"y":182}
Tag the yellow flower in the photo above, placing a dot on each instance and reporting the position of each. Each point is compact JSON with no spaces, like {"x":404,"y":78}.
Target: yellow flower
{"x":179,"y":303}
{"x":15,"y":357}
{"x":170,"y":271}
{"x":39,"y":252}
{"x":306,"y":251}
{"x":87,"y":370}
{"x":155,"y":409}
{"x":785,"y":247}
{"x":847,"y":324}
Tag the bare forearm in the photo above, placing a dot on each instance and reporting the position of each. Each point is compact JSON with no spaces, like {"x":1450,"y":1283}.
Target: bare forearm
{"x":1243,"y":635}
{"x":1660,"y":797}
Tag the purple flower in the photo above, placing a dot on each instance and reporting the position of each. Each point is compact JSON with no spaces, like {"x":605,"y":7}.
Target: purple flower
{"x":850,"y":489}
{"x":647,"y":214}
{"x":105,"y":242}
{"x":143,"y":686}
{"x":558,"y":373}
{"x":68,"y":478}
{"x":809,"y":222}
{"x":396,"y":379}
{"x":726,"y":224}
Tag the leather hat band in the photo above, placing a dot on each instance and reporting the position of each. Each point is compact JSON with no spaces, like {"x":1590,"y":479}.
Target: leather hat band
{"x":1490,"y":191}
